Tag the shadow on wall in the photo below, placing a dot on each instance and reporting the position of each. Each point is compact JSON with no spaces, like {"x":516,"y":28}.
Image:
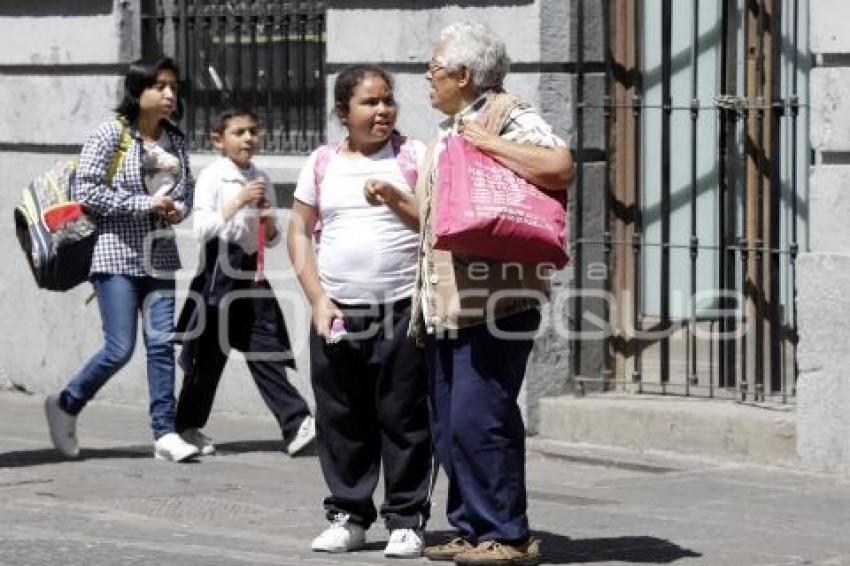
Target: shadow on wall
{"x":56,"y":8}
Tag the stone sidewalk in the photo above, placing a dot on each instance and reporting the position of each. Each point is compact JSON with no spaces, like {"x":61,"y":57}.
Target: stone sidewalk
{"x":253,"y":505}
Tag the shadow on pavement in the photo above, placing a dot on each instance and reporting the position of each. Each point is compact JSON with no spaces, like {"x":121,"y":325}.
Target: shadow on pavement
{"x":41,"y":456}
{"x":244,"y":446}
{"x":561,"y":549}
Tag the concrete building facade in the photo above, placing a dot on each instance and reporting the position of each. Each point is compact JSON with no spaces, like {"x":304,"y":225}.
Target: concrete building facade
{"x":823,"y":389}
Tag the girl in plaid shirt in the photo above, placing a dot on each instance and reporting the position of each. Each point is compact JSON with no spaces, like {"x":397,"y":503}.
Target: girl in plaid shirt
{"x":135,"y":255}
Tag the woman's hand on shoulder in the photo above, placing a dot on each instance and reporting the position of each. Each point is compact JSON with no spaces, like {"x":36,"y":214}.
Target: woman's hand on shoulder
{"x":479,"y":136}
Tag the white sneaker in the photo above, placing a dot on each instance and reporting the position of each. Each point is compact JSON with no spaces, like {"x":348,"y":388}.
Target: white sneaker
{"x":404,"y":543}
{"x":62,"y":426}
{"x":340,"y":536}
{"x":304,"y":437}
{"x":199,"y":440}
{"x":173,"y":448}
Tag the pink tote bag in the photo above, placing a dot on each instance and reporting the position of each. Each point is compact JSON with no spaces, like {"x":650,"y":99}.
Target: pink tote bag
{"x":484,"y":209}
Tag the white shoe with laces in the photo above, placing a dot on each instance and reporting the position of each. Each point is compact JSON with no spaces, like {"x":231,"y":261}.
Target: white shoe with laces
{"x":63,"y":428}
{"x":404,"y":543}
{"x":340,"y":536}
{"x":172,"y":448}
{"x":199,"y":440}
{"x":304,"y":437}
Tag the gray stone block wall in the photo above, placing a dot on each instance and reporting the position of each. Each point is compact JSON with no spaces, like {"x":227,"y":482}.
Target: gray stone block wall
{"x":535,"y":32}
{"x":823,"y":390}
{"x":55,"y":110}
{"x":49,"y":33}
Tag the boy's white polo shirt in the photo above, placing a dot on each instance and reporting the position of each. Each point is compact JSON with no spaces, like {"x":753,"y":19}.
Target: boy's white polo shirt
{"x":219,"y":182}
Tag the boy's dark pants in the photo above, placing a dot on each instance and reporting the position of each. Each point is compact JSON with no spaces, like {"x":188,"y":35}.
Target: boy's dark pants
{"x":253,"y":329}
{"x":371,"y":409}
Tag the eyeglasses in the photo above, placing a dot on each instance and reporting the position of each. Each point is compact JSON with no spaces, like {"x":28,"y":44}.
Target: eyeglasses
{"x":435,"y":66}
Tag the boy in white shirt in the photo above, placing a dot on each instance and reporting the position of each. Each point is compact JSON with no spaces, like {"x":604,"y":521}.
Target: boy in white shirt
{"x":231,"y":212}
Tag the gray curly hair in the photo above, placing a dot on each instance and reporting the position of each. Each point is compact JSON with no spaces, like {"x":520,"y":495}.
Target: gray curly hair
{"x":474,"y":46}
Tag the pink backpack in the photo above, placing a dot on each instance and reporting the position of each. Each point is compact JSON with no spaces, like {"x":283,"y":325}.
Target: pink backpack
{"x":403,"y":150}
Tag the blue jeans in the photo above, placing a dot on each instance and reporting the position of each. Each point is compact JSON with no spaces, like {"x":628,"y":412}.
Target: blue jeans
{"x":478,"y":431}
{"x":121,"y":298}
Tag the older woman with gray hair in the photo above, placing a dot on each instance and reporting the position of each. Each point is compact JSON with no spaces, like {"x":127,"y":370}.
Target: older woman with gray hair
{"x":476,"y":316}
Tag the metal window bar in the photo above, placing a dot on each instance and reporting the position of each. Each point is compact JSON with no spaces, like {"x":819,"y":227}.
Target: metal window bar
{"x":578,"y":211}
{"x":606,"y":374}
{"x":759,"y":364}
{"x":667,"y":110}
{"x":267,"y":55}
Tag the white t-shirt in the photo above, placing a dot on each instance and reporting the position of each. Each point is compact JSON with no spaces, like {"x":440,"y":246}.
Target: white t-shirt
{"x":217,"y":184}
{"x":367,"y":255}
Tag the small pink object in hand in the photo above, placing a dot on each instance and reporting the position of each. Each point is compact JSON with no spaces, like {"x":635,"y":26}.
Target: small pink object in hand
{"x":337,"y":331}
{"x":261,"y":251}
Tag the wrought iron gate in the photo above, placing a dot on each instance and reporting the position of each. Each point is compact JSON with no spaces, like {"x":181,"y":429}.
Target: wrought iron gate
{"x":689,"y":207}
{"x":269,"y":55}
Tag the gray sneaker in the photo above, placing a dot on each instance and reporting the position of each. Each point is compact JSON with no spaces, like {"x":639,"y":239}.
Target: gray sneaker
{"x":304,"y":438}
{"x":199,"y":440}
{"x":62,"y":426}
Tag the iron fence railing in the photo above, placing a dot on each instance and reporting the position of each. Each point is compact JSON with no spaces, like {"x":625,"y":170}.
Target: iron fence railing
{"x":269,"y":55}
{"x":743,"y":346}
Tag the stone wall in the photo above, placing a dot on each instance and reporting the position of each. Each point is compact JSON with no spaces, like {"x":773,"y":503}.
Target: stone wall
{"x":823,"y":388}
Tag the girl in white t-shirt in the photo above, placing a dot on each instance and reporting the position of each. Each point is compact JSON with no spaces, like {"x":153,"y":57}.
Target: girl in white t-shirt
{"x":356,"y":201}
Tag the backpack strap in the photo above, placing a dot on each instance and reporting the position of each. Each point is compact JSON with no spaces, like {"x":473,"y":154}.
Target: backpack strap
{"x":405,"y":156}
{"x":320,"y":167}
{"x":125,"y":140}
{"x":323,"y":159}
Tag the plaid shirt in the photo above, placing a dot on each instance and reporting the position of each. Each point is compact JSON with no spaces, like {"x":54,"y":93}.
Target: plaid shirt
{"x":131,"y":239}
